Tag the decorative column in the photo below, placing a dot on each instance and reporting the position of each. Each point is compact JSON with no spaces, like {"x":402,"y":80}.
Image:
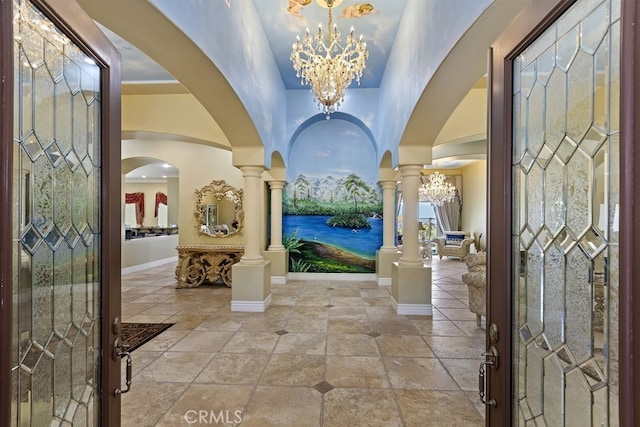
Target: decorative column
{"x":410,"y":279}
{"x":251,"y":277}
{"x":276,"y":214}
{"x":388,"y":253}
{"x":251,"y":230}
{"x":410,"y":182}
{"x":276,"y":253}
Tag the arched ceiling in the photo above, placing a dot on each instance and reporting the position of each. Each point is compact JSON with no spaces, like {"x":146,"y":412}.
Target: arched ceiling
{"x":141,"y":24}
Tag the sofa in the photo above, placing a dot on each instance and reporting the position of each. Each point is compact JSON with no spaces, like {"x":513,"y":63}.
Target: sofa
{"x":476,"y":279}
{"x":454,"y":243}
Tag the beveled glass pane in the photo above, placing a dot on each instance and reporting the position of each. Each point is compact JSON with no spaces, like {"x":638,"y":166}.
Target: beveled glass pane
{"x":577,"y":399}
{"x":554,"y":207}
{"x":579,"y":183}
{"x":614,"y":79}
{"x":593,"y":28}
{"x":56,"y":343}
{"x":601,"y":99}
{"x":554,"y":296}
{"x":535,"y":375}
{"x":579,"y":195}
{"x":43,"y":105}
{"x":553,"y":391}
{"x":535,"y":116}
{"x":580,"y":95}
{"x":63,"y":116}
{"x":579,"y":305}
{"x":534,"y":289}
{"x":556,"y":120}
{"x":535,"y":207}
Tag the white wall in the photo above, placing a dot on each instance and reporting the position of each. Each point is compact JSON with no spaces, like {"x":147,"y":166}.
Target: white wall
{"x":474,"y":209}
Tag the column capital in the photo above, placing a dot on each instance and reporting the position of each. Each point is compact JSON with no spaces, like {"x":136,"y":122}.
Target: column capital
{"x":388,"y":185}
{"x":276,"y":185}
{"x":252,"y":171}
{"x":410,"y":170}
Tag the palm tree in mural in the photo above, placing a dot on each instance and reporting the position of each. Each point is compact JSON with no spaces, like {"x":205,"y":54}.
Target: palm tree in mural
{"x":355,"y":187}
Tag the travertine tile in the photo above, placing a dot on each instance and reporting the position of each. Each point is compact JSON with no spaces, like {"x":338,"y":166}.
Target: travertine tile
{"x":356,"y":371}
{"x":418,"y":373}
{"x":403,"y":346}
{"x":138,"y":410}
{"x":456,"y":347}
{"x":229,"y":368}
{"x":422,"y":408}
{"x":297,"y":343}
{"x":294,"y":370}
{"x":174,"y":366}
{"x":351,"y":345}
{"x":251,"y":342}
{"x":360,"y":407}
{"x":202,"y":341}
{"x":460,"y":370}
{"x":208,"y":404}
{"x":283,"y":406}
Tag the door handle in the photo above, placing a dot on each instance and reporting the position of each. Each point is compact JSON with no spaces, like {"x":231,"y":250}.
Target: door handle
{"x":117,"y":352}
{"x":492,"y":362}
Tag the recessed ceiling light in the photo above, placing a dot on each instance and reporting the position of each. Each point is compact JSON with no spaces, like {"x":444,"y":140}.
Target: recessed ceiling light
{"x":166,"y":165}
{"x":164,"y":176}
{"x":144,"y":176}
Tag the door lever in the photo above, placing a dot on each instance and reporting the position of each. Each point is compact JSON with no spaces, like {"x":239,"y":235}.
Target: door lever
{"x":492,"y":354}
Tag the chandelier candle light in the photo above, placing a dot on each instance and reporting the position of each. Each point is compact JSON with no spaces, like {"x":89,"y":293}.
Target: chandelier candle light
{"x":436,"y":191}
{"x":329,"y":67}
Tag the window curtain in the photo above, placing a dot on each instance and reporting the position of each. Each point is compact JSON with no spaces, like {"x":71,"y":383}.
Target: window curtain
{"x":138,"y":199}
{"x":160,"y":198}
{"x":449,"y":214}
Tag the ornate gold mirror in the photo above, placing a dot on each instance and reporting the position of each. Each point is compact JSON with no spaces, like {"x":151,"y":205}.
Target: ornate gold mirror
{"x":219,"y":209}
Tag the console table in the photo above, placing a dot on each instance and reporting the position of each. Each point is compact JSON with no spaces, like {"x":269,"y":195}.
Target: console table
{"x":198,"y":264}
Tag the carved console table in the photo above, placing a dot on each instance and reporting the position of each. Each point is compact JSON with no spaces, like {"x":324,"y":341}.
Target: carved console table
{"x":198,"y":264}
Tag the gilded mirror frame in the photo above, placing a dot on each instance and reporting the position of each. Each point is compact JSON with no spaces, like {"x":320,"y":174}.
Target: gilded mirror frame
{"x":221,"y":191}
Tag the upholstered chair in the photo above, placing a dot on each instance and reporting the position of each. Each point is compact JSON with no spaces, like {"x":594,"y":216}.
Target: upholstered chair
{"x":476,"y":279}
{"x":454,"y":243}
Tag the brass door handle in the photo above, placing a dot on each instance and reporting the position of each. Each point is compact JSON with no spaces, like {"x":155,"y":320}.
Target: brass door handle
{"x":492,"y":354}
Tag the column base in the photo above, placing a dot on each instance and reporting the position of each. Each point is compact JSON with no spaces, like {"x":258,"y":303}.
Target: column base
{"x":411,"y":290}
{"x":251,"y":288}
{"x":384,"y":260}
{"x":279,"y":259}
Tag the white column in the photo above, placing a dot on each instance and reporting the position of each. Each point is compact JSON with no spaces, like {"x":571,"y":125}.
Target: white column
{"x":276,"y":215}
{"x":410,"y":183}
{"x":388,"y":216}
{"x":251,"y":230}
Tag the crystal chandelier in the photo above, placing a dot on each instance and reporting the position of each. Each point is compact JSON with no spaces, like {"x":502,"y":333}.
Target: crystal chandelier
{"x":329,"y":67}
{"x":436,"y":191}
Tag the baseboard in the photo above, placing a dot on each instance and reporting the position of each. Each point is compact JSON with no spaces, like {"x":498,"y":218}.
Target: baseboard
{"x":334,"y":276}
{"x":278,"y":280}
{"x":147,"y":265}
{"x":384,"y":281}
{"x":412,"y":309}
{"x":251,"y":306}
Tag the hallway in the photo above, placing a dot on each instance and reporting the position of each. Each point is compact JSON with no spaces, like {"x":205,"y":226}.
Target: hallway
{"x":326,"y":353}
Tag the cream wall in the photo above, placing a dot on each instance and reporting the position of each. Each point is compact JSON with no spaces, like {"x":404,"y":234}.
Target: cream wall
{"x":468,"y":119}
{"x":474,"y":190}
{"x":198,"y":165}
{"x":149,"y":190}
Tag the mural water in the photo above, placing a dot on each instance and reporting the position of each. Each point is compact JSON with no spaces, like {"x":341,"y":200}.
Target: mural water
{"x":332,"y":206}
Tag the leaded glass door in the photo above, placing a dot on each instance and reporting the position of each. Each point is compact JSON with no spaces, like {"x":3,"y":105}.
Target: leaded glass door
{"x":62,"y":218}
{"x":561,"y":267}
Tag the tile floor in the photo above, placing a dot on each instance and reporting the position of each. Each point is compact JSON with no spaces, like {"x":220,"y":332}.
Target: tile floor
{"x":326,"y":353}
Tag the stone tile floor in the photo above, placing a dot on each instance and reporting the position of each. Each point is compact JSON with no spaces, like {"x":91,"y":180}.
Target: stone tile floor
{"x":325,"y":353}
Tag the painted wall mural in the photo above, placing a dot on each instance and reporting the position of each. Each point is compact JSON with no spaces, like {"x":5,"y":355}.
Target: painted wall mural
{"x":332,"y":204}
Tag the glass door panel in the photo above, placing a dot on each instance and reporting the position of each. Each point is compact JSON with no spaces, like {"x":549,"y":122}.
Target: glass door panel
{"x":565,"y":220}
{"x":56,"y":217}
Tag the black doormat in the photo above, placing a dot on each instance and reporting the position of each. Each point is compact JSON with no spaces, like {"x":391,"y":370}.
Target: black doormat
{"x":136,"y":334}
